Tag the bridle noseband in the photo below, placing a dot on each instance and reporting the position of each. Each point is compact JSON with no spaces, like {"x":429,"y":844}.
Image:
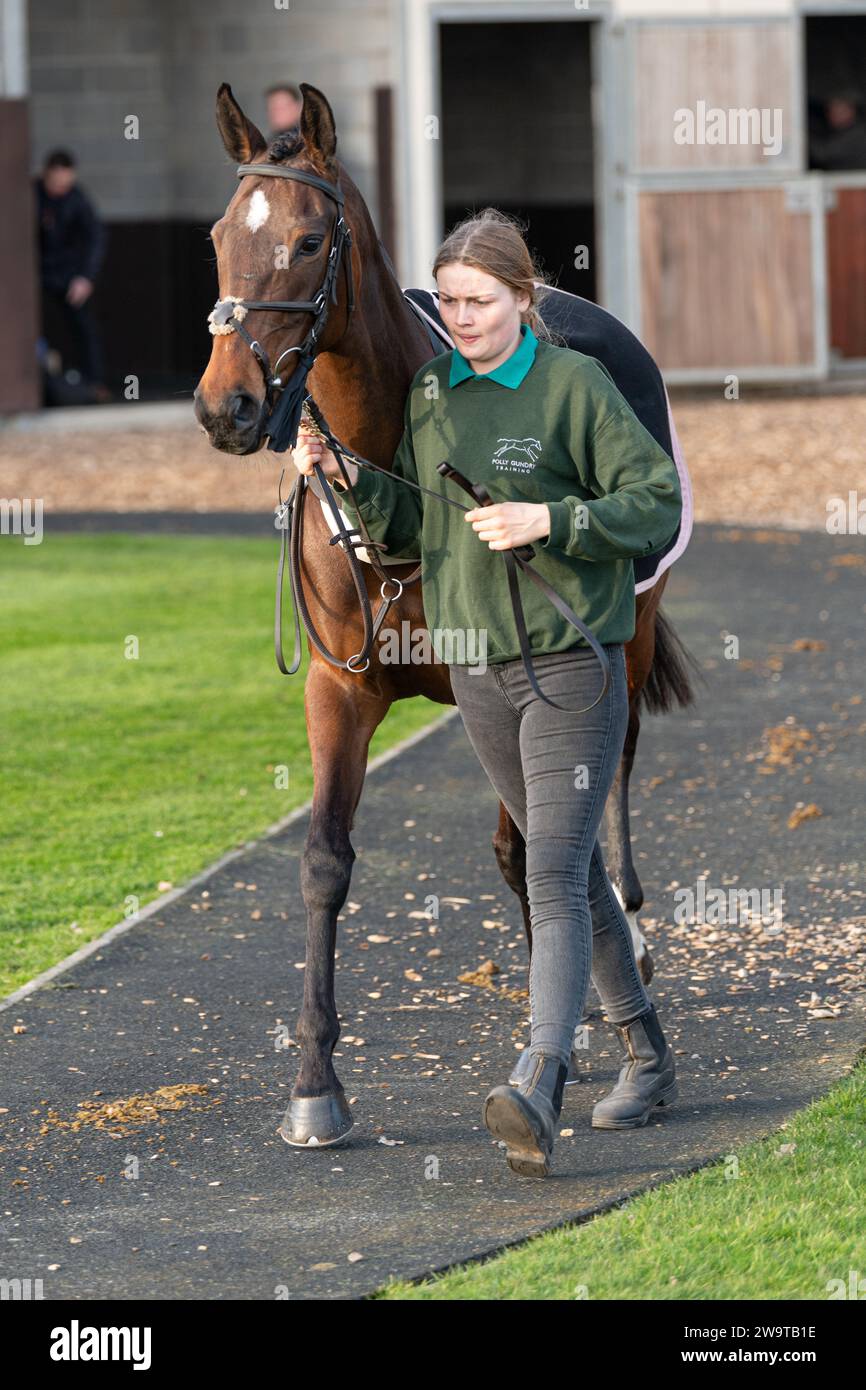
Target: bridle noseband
{"x":284,"y":402}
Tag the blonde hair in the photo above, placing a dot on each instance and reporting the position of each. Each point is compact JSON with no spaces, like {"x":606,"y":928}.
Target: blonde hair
{"x":493,"y":241}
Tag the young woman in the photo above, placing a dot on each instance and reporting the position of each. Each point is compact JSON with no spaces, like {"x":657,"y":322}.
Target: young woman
{"x":546,"y":428}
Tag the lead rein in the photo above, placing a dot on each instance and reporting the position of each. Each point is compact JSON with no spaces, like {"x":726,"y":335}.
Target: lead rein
{"x":341,"y":451}
{"x":514,"y":556}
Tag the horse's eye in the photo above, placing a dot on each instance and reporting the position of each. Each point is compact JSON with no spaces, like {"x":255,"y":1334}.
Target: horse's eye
{"x":310,"y":245}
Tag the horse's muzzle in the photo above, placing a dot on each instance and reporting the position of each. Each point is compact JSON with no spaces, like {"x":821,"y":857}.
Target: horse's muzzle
{"x":237,"y":426}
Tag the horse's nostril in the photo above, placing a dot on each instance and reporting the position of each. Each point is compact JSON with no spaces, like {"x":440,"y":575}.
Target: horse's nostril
{"x":243,"y":410}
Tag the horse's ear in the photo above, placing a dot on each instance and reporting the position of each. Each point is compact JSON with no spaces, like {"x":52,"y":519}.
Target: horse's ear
{"x":242,"y":139}
{"x":318,"y":130}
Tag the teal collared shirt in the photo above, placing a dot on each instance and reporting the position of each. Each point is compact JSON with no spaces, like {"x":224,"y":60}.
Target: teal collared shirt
{"x":509,"y":373}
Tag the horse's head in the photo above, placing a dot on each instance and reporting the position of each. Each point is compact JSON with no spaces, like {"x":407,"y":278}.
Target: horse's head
{"x":272,"y":244}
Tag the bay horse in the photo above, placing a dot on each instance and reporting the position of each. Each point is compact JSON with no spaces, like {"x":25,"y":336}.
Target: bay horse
{"x":371,"y":345}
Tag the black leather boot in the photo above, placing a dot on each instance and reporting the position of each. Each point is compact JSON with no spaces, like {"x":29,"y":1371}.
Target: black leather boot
{"x":524,"y":1117}
{"x":646,"y":1080}
{"x":522,"y":1068}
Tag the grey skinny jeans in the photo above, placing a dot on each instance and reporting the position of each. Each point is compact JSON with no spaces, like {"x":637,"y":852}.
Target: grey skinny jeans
{"x":553,"y":770}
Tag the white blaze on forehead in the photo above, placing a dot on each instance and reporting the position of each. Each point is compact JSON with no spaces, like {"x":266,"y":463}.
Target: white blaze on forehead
{"x":258,"y":211}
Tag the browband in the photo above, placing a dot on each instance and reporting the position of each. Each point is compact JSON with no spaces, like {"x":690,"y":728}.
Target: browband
{"x":281,"y":171}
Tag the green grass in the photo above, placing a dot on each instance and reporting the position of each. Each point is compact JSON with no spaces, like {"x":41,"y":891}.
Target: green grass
{"x":777,"y":1225}
{"x":117,"y":774}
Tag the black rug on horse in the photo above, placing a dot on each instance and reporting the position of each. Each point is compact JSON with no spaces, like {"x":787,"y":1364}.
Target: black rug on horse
{"x":592,"y":330}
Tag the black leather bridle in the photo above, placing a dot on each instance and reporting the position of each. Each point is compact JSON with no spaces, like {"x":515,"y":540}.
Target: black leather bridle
{"x":284,"y":402}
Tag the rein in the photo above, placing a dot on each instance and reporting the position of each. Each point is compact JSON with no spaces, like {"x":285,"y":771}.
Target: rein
{"x":286,"y":402}
{"x":518,"y":555}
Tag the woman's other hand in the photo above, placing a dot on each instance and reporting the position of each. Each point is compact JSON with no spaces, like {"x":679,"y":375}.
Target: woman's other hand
{"x":507,"y":524}
{"x":310,"y":450}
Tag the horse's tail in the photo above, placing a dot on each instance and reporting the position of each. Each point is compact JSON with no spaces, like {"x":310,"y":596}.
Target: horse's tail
{"x":668,"y":681}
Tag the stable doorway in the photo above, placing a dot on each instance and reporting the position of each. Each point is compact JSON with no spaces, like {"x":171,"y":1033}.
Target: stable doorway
{"x":518,"y":134}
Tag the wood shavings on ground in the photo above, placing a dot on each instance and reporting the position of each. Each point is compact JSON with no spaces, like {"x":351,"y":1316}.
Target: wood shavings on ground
{"x":783,"y":741}
{"x":803,"y":813}
{"x":127,"y":1113}
{"x":761,"y":461}
{"x":772,"y":461}
{"x":483,"y":978}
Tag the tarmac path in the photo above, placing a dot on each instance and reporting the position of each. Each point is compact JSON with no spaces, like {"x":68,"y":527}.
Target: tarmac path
{"x":759,"y":785}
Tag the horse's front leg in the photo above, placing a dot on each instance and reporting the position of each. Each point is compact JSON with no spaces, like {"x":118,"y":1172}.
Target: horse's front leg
{"x":340,"y":722}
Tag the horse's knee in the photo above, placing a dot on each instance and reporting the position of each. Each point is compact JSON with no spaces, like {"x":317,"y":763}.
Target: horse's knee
{"x":326,"y":871}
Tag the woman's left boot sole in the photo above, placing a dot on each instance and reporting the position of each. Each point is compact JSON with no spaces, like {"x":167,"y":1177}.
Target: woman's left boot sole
{"x":506,"y":1121}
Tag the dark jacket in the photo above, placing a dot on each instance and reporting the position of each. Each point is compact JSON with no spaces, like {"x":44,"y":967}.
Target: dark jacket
{"x":839,"y":149}
{"x":71,"y":237}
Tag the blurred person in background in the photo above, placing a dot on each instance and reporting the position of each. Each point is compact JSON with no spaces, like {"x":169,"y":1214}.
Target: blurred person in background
{"x":838,"y":138}
{"x":71,"y":249}
{"x":284,"y":103}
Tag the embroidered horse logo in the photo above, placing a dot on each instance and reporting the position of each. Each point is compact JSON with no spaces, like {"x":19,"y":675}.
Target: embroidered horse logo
{"x":530,"y":447}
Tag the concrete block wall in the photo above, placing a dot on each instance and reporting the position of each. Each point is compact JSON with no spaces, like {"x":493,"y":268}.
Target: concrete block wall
{"x":95,"y":62}
{"x":91,"y":65}
{"x":343,"y":47}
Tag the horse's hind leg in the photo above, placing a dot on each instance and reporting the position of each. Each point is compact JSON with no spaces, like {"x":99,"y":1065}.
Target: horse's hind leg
{"x":620,"y":863}
{"x":509,"y":847}
{"x":340,"y":723}
{"x":640,"y":655}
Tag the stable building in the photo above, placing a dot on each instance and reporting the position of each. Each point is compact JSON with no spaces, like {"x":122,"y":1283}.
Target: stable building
{"x":698,"y":167}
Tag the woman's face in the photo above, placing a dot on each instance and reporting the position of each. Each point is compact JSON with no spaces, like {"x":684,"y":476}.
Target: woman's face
{"x":481,"y":314}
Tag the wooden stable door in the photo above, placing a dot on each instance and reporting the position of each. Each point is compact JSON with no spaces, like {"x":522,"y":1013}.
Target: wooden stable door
{"x":846,"y":268}
{"x":725,"y":230}
{"x":19,"y":375}
{"x":728,"y":279}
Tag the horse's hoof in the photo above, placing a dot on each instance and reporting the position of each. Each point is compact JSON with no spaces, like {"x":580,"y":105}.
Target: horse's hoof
{"x":646,"y":966}
{"x":522,"y":1068}
{"x":313,"y":1122}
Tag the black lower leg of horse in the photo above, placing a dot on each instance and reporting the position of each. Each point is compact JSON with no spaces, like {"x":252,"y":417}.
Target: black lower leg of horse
{"x":509,"y":847}
{"x":339,"y":737}
{"x":619,"y":859}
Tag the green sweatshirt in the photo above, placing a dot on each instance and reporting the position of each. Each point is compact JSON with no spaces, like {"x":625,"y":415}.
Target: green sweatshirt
{"x":564,"y":435}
